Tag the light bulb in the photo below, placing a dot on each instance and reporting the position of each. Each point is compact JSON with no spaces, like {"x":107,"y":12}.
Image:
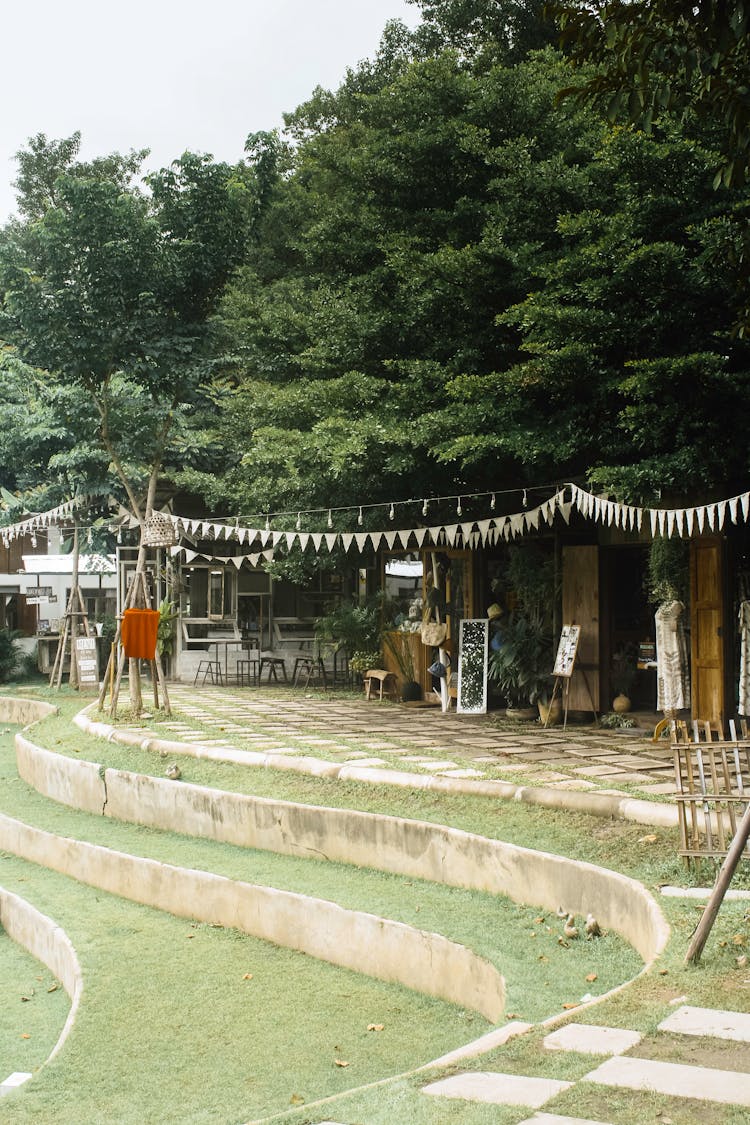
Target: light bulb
{"x":330,"y":520}
{"x":119,"y":535}
{"x":391,"y":513}
{"x":33,"y":541}
{"x":298,"y":524}
{"x":425,"y":506}
{"x":492,"y":503}
{"x":525,"y":499}
{"x":268,"y":523}
{"x":359,"y":517}
{"x":459,"y":510}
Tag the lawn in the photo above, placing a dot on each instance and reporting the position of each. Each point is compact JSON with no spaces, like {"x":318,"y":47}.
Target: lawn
{"x":173,"y":1028}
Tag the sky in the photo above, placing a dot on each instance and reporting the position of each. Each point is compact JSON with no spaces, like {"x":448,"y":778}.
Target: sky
{"x":171,"y":75}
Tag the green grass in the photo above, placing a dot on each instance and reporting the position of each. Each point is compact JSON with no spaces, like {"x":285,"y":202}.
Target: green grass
{"x":491,"y":926}
{"x":33,"y":1012}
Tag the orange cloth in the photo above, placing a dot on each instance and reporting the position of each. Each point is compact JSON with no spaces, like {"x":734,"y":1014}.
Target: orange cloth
{"x":138,"y":635}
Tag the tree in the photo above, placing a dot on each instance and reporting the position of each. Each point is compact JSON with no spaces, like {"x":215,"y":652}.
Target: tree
{"x":659,"y":58}
{"x":109,"y":287}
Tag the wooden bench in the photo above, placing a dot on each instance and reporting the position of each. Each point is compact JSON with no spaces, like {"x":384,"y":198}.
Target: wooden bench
{"x":386,"y":680}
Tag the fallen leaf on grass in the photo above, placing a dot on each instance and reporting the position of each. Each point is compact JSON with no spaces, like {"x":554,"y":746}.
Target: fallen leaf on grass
{"x":538,"y":921}
{"x":53,"y":987}
{"x":248,"y":976}
{"x":742,"y":960}
{"x":26,"y":998}
{"x":340,"y":1062}
{"x":375,"y":1026}
{"x":651,"y":838}
{"x":296,"y":1099}
{"x":591,"y":976}
{"x":571,"y":1004}
{"x":25,"y":1035}
{"x":738,"y":939}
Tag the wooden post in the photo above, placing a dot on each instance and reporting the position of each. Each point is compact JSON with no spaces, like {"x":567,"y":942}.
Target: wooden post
{"x":723,"y":879}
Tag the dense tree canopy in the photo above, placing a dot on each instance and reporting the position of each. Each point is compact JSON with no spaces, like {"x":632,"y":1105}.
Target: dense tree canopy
{"x":107,"y":289}
{"x":442,"y":277}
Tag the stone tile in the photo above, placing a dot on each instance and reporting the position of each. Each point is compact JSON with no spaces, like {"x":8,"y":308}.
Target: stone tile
{"x":559,"y":1119}
{"x":676,"y":1080}
{"x":589,"y":1039}
{"x":461,"y":773}
{"x":17,"y":1078}
{"x":366,"y":762}
{"x":428,"y":764}
{"x":497,"y":1089}
{"x":662,"y":789}
{"x":571,"y":783}
{"x":709,"y":1021}
{"x":598,"y":771}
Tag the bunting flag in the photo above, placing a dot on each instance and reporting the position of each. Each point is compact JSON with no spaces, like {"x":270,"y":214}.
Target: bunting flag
{"x":662,"y":521}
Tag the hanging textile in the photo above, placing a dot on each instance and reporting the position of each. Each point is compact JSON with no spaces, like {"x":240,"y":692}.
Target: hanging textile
{"x":743,"y":702}
{"x":672,"y":672}
{"x":138,"y":635}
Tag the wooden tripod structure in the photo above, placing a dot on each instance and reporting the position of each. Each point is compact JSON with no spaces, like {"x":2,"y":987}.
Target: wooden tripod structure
{"x":75,"y":614}
{"x":137,"y":596}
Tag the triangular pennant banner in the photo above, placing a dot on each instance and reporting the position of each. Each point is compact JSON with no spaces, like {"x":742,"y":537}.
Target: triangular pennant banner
{"x":403,"y":537}
{"x":238,"y":561}
{"x":331,"y":537}
{"x":419,"y":534}
{"x":390,"y":538}
{"x":317,"y":538}
{"x":360,"y":539}
{"x":346,"y":540}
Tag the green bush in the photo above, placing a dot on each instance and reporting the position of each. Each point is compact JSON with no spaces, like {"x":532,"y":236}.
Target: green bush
{"x":10,"y":653}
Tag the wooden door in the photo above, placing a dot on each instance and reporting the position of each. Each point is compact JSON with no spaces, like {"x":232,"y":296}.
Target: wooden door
{"x":580,"y":606}
{"x":706,"y":622}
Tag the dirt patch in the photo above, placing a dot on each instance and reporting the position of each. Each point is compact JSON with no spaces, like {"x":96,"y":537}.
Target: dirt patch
{"x":632,"y":1107}
{"x":723,"y":1054}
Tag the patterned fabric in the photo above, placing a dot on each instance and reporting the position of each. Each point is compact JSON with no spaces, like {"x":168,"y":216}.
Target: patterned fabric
{"x":743,"y":702}
{"x":672,"y":671}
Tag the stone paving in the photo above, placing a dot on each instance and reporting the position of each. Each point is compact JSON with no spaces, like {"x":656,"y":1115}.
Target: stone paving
{"x":620,"y":1070}
{"x":380,"y":735}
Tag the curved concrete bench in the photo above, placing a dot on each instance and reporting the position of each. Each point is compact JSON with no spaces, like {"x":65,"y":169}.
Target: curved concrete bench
{"x":378,"y":947}
{"x":407,"y":847}
{"x":45,"y":941}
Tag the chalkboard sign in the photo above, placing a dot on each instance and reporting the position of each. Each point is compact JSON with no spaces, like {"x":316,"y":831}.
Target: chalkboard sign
{"x":88,"y":664}
{"x":472,"y":666}
{"x":567,"y":651}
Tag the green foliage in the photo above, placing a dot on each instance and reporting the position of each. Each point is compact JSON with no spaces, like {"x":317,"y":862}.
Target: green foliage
{"x":165,"y":632}
{"x":668,"y":574}
{"x":521,"y":667}
{"x":10,"y":653}
{"x":351,"y":625}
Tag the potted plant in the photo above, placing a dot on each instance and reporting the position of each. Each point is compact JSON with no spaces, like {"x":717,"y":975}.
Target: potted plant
{"x":399,"y":645}
{"x":521,"y":666}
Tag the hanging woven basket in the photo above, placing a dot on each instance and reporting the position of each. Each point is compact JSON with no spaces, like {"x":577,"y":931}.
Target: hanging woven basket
{"x":159,"y":531}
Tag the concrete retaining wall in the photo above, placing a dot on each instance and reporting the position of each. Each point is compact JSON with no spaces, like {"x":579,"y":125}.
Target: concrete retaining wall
{"x":388,"y":950}
{"x":44,"y":939}
{"x":407,"y":847}
{"x":21,"y":712}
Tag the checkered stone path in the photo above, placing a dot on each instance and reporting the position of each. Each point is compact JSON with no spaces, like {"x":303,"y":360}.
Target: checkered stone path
{"x":312,"y":725}
{"x":620,"y":1071}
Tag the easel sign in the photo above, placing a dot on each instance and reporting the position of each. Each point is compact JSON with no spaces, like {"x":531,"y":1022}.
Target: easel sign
{"x":88,"y":663}
{"x":565,"y":666}
{"x":567,"y":650}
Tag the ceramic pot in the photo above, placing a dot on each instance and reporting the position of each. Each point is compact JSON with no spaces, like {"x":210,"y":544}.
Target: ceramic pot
{"x":621,"y":704}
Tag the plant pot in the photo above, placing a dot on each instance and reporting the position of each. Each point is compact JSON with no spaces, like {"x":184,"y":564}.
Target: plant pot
{"x":550,"y":714}
{"x":521,"y":714}
{"x":621,"y":704}
{"x":411,"y":692}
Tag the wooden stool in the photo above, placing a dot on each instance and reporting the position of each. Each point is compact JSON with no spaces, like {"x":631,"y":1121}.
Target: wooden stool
{"x":308,"y":664}
{"x":386,"y":680}
{"x":210,"y":668}
{"x":272,"y":663}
